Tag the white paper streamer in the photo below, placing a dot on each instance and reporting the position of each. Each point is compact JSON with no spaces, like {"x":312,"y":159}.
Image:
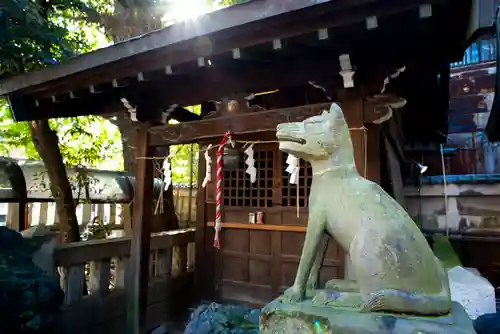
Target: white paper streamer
{"x":293,"y":168}
{"x":392,"y":76}
{"x":167,"y":173}
{"x":166,"y":114}
{"x":315,"y":85}
{"x":131,"y":110}
{"x":208,"y":164}
{"x":250,"y":162}
{"x":347,"y":70}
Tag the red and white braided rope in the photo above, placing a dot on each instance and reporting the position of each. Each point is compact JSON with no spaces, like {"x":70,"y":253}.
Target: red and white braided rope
{"x":218,"y":192}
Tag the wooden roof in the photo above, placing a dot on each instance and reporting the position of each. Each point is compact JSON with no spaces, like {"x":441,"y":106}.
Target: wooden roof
{"x":237,"y":16}
{"x":256,"y":46}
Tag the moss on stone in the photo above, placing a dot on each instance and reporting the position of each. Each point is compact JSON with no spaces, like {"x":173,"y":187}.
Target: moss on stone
{"x":307,"y":317}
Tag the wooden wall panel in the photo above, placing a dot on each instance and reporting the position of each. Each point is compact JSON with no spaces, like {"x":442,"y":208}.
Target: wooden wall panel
{"x":236,"y":240}
{"x":288,"y":271}
{"x":264,"y":263}
{"x":291,"y":243}
{"x":260,"y":242}
{"x":259,"y":272}
{"x":234,"y":268}
{"x":290,"y":216}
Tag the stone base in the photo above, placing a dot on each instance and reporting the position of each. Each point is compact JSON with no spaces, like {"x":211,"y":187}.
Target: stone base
{"x":310,"y":317}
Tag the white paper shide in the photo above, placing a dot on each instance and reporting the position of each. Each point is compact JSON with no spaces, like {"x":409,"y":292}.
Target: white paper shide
{"x":250,"y":162}
{"x":293,"y":168}
{"x":167,"y":173}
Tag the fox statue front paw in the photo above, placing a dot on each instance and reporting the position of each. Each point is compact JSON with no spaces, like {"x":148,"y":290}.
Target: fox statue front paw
{"x":293,"y":294}
{"x":312,"y":284}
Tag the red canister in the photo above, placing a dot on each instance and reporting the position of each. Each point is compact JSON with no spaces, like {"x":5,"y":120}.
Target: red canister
{"x":259,"y":217}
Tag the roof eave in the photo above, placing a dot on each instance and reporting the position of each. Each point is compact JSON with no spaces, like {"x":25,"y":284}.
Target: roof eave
{"x":228,"y":18}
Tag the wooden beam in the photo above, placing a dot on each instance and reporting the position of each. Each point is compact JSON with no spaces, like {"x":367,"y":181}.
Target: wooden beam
{"x":251,"y":77}
{"x":204,"y":85}
{"x":263,"y":121}
{"x":96,"y":250}
{"x":261,"y":227}
{"x":141,"y":236}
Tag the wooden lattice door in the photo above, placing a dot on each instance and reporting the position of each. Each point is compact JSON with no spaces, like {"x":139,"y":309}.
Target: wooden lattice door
{"x":256,"y":262}
{"x":240,"y":192}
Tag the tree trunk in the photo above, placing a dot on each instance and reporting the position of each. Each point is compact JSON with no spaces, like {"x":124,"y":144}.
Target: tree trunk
{"x":47,"y":144}
{"x":128,"y":132}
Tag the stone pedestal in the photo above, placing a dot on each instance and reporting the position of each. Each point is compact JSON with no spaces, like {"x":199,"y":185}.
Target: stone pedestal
{"x":313,"y":317}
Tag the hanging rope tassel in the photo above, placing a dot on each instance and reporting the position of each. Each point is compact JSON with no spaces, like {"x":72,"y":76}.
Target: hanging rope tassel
{"x":218,"y":193}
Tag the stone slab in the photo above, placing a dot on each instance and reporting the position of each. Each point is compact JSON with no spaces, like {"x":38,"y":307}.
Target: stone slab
{"x":312,"y":318}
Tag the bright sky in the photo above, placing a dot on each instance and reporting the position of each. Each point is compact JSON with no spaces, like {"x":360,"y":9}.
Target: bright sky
{"x":179,"y":10}
{"x":188,"y":9}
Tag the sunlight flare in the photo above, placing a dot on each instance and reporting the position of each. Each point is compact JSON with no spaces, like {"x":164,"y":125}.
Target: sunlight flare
{"x":188,"y":9}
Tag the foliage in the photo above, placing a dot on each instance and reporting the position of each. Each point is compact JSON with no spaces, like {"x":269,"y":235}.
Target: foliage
{"x":181,"y":158}
{"x":180,"y":163}
{"x":30,"y":299}
{"x":33,"y":35}
{"x":96,"y":230}
{"x":37,"y":34}
{"x":89,"y":141}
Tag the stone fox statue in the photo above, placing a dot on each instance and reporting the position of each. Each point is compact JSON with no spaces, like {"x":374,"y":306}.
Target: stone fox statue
{"x":395,"y":268}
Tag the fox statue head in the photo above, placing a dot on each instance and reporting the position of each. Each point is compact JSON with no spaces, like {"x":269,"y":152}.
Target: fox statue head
{"x":317,"y":138}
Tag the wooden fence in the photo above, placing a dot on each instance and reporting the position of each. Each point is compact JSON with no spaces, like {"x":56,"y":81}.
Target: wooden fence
{"x":99,"y":267}
{"x":113,"y":214}
{"x":93,"y":273}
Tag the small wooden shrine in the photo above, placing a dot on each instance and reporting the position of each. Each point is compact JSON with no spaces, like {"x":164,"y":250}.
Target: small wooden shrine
{"x":263,"y":63}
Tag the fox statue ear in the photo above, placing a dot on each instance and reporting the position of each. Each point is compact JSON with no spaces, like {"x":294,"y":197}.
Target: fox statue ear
{"x":336,"y":112}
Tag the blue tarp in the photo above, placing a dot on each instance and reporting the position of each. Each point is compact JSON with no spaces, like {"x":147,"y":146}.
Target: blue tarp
{"x":223,"y":319}
{"x":462,"y":179}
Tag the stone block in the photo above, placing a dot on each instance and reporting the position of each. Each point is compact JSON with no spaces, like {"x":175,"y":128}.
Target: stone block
{"x":312,"y":317}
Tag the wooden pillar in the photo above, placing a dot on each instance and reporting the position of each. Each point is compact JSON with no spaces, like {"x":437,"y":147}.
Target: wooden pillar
{"x":200,"y":244}
{"x":373,"y":153}
{"x":14,"y":217}
{"x":137,"y":276}
{"x":126,"y":218}
{"x":353,"y":114}
{"x":395,"y":175}
{"x":44,"y":208}
{"x":366,"y":150}
{"x":23,"y":216}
